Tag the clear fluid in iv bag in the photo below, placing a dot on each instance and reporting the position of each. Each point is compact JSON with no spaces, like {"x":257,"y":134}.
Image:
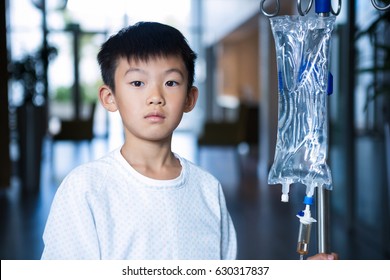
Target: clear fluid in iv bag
{"x":302,"y":46}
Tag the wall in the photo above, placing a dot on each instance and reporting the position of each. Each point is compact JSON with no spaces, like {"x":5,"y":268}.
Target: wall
{"x":237,"y":61}
{"x":220,"y":17}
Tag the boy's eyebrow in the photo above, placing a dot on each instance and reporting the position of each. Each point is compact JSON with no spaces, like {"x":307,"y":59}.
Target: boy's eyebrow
{"x":175,"y":70}
{"x":172,"y":70}
{"x":134,"y":69}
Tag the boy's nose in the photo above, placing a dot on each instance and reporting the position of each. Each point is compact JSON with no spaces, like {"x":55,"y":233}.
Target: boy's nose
{"x":156,"y":98}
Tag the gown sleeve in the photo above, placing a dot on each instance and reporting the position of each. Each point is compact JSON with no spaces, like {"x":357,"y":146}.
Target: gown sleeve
{"x":70,"y":231}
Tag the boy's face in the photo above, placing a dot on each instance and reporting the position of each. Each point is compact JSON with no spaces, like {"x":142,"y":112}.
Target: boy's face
{"x":151,"y":96}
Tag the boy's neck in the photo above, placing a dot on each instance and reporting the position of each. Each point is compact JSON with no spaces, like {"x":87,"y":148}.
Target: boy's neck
{"x":153,"y":160}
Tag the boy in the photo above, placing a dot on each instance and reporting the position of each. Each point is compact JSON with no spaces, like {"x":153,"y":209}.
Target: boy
{"x":142,"y":201}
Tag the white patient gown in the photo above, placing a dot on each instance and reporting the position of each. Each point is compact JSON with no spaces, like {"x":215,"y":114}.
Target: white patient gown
{"x":105,"y":209}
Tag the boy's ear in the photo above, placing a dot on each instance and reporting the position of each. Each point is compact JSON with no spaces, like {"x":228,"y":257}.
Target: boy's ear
{"x":107,"y":98}
{"x":192,"y":97}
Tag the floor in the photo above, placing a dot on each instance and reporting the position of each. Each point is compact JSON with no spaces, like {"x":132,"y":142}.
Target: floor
{"x":266,"y":227}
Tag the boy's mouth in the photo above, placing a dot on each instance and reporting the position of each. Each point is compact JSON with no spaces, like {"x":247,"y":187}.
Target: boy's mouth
{"x":155,"y":116}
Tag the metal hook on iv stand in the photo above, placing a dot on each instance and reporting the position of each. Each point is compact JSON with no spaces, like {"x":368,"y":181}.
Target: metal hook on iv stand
{"x":338,"y":9}
{"x":299,"y":6}
{"x":376,"y":6}
{"x":270,"y":14}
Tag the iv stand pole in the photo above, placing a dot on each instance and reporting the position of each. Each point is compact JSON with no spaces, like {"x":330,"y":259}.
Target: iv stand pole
{"x":323,"y":9}
{"x":322,"y":205}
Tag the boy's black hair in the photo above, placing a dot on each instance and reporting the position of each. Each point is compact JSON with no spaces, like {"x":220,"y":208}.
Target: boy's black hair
{"x":142,"y":41}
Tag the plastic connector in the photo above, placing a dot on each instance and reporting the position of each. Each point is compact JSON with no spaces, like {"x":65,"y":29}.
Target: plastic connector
{"x":308,"y":200}
{"x":284,"y":197}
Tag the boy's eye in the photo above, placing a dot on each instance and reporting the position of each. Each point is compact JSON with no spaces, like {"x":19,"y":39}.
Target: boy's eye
{"x":171,"y":83}
{"x":137,"y":83}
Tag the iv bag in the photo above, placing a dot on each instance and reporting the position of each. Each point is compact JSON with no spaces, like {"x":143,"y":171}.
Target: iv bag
{"x":302,"y":49}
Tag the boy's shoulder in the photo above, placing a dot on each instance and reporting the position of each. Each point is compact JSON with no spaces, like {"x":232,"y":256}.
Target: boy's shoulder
{"x":101,"y":163}
{"x":92,"y":173}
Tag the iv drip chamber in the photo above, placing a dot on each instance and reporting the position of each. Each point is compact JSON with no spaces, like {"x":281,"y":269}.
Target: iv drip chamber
{"x":305,"y":221}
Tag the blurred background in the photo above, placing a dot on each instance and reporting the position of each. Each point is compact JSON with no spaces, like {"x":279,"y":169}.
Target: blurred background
{"x":50,"y":120}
